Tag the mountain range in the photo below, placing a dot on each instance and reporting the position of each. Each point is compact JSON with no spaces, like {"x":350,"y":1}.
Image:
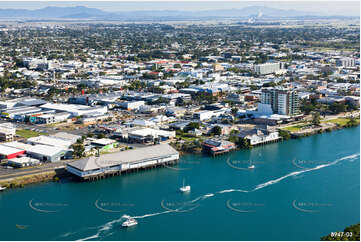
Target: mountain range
{"x":81,"y":12}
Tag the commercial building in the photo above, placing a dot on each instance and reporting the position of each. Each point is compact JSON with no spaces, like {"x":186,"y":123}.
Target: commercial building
{"x":147,"y":135}
{"x":267,"y":68}
{"x":283,"y":101}
{"x":115,"y":163}
{"x":104,"y":144}
{"x":7,"y":132}
{"x":132,"y":105}
{"x":207,"y":114}
{"x":345,"y":62}
{"x":75,"y":110}
{"x":21,"y":102}
{"x":67,"y":136}
{"x":47,"y":153}
{"x":13,"y":112}
{"x":50,"y":141}
{"x":7,"y":152}
{"x":23,"y":162}
{"x":50,"y":118}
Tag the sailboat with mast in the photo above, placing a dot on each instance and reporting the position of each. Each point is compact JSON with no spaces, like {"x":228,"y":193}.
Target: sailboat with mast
{"x":185,"y":188}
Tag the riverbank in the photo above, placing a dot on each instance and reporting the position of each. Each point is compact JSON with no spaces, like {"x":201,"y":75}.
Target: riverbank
{"x":323,"y":127}
{"x":26,"y":179}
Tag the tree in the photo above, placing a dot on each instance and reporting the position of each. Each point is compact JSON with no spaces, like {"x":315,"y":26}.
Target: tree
{"x":216,"y":130}
{"x":234,"y":110}
{"x":78,"y":150}
{"x":284,"y":134}
{"x":350,"y":233}
{"x":191,"y":125}
{"x":352,"y":121}
{"x":244,"y":143}
{"x":316,"y":119}
{"x":101,"y":136}
{"x":337,"y":108}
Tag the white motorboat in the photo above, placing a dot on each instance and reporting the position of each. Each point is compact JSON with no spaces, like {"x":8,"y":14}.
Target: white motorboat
{"x":2,"y":188}
{"x":129,"y":222}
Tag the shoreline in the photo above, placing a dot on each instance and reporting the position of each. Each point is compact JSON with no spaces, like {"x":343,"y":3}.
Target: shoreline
{"x":61,"y":173}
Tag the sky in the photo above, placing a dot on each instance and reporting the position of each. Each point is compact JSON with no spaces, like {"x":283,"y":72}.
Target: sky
{"x":346,"y":8}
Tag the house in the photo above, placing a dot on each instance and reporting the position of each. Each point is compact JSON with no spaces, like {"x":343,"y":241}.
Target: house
{"x":260,"y":136}
{"x":216,"y":147}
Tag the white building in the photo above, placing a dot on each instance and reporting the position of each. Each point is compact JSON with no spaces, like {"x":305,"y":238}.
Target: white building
{"x":151,"y":156}
{"x":132,"y":105}
{"x":260,"y":136}
{"x":75,"y":110}
{"x":50,"y":141}
{"x":267,"y":68}
{"x":7,"y":131}
{"x":283,"y":101}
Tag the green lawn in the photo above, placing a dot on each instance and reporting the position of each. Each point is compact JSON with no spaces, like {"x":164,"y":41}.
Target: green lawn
{"x":186,"y":138}
{"x":295,"y":128}
{"x":28,"y":133}
{"x":340,"y":121}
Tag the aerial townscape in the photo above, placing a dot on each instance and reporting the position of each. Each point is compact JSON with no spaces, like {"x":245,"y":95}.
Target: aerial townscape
{"x":94,"y":103}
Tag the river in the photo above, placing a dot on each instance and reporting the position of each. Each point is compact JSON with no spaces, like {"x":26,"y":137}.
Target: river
{"x":300,"y":189}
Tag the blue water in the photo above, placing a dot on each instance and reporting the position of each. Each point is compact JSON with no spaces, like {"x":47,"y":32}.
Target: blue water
{"x":300,"y":190}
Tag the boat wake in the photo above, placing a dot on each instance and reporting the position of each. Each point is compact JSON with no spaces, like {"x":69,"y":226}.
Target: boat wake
{"x":106,"y":227}
{"x":103,"y":229}
{"x":153,"y":214}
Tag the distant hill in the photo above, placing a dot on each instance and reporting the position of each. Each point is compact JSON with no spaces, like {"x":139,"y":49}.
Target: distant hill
{"x":81,"y":12}
{"x":53,"y":12}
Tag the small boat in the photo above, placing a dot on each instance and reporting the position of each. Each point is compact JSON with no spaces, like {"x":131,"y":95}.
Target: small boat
{"x":21,"y":226}
{"x":2,"y":188}
{"x":251,"y":166}
{"x":185,"y":188}
{"x":129,"y":222}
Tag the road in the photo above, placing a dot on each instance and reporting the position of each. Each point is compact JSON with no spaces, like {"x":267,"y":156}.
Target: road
{"x":12,"y":173}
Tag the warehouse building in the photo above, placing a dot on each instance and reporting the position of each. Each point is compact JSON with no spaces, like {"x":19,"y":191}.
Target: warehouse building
{"x":75,"y":110}
{"x":13,"y":112}
{"x":46,"y":153}
{"x":109,"y":164}
{"x":50,"y":141}
{"x":23,"y":162}
{"x":131,"y":105}
{"x":50,"y":118}
{"x":67,"y":136}
{"x":7,"y":152}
